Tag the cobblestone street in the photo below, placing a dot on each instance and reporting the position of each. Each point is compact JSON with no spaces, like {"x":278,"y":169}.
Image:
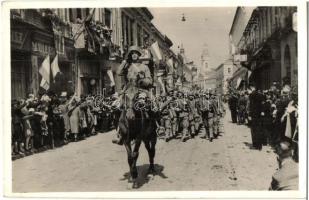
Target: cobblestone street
{"x":95,"y":164}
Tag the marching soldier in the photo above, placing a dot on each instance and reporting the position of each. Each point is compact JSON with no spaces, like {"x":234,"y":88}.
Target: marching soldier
{"x":214,"y":113}
{"x":207,"y":112}
{"x":172,"y":112}
{"x":197,"y":117}
{"x":166,"y":119}
{"x":192,"y":114}
{"x":184,"y":119}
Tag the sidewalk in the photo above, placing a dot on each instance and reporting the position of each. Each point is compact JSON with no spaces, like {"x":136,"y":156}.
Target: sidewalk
{"x":253,"y":168}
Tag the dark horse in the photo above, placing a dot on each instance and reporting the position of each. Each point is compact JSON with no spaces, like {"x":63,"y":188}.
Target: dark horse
{"x":140,"y":128}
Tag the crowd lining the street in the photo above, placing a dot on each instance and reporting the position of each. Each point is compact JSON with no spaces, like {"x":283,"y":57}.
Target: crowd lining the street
{"x":272,"y":116}
{"x":49,"y":121}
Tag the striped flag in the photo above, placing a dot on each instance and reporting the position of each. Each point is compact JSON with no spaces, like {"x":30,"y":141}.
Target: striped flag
{"x":44,"y":84}
{"x":54,"y":67}
{"x":111,"y":77}
{"x":156,"y":52}
{"x":45,"y":69}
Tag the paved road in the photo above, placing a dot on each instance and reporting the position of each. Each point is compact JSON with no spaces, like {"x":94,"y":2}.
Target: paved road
{"x":95,"y":164}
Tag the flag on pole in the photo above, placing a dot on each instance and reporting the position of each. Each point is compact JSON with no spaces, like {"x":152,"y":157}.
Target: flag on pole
{"x":238,"y":82}
{"x":54,"y":67}
{"x":90,"y":15}
{"x":111,"y":77}
{"x":249,"y":73}
{"x":44,"y":84}
{"x":156,"y":52}
{"x":45,"y":69}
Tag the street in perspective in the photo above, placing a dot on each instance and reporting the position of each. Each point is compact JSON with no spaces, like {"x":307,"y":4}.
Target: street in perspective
{"x":154,"y":99}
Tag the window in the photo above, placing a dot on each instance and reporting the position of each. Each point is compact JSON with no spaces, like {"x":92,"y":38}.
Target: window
{"x":139,"y":35}
{"x":131,"y":32}
{"x":107,"y":17}
{"x":71,"y":15}
{"x":79,"y":13}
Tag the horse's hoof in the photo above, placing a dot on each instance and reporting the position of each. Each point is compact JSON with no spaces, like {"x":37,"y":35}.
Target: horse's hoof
{"x":135,"y":185}
{"x":151,"y":171}
{"x":130,"y":185}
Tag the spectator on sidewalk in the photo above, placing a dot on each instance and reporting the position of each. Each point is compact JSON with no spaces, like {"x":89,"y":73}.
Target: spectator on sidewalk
{"x":255,"y":111}
{"x":233,"y":106}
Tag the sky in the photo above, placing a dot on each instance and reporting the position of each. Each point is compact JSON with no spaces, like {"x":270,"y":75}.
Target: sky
{"x":207,"y":26}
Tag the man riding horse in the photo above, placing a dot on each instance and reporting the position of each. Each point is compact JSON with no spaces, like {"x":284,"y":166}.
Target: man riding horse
{"x":137,"y":118}
{"x":138,"y":81}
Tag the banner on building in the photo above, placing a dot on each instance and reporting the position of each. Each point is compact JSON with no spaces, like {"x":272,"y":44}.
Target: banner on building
{"x":156,"y":52}
{"x":44,"y":69}
{"x":111,"y":77}
{"x":55,"y":67}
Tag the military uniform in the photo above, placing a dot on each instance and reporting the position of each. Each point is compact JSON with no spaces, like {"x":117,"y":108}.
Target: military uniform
{"x":166,"y":119}
{"x":207,"y":110}
{"x":184,"y":119}
{"x":192,"y":116}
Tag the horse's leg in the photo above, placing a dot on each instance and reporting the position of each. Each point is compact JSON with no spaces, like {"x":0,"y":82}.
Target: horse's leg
{"x":150,"y":145}
{"x":134,"y":156}
{"x":127,"y":145}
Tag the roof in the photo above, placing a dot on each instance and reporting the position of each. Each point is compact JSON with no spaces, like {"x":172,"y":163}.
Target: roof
{"x":235,"y":16}
{"x":148,"y":13}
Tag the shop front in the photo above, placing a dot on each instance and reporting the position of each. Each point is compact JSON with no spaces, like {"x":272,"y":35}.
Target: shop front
{"x":31,"y":44}
{"x":266,"y":66}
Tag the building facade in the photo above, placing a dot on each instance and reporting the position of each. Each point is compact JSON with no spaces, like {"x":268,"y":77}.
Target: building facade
{"x":36,"y":34}
{"x":224,"y":73}
{"x":269,"y":43}
{"x":90,"y":44}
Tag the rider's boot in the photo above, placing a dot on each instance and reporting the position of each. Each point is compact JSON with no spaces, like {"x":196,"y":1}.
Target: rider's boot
{"x":119,"y":139}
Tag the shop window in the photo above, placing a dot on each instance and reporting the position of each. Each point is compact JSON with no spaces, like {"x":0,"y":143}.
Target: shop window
{"x":71,"y":15}
{"x":19,"y":76}
{"x":107,"y":17}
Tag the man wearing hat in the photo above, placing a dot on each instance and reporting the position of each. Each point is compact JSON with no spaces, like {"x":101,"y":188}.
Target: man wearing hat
{"x":255,"y":110}
{"x":286,"y":177}
{"x":184,"y":117}
{"x":166,"y":118}
{"x":241,"y":108}
{"x":192,"y":115}
{"x":207,"y":111}
{"x":138,"y":80}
